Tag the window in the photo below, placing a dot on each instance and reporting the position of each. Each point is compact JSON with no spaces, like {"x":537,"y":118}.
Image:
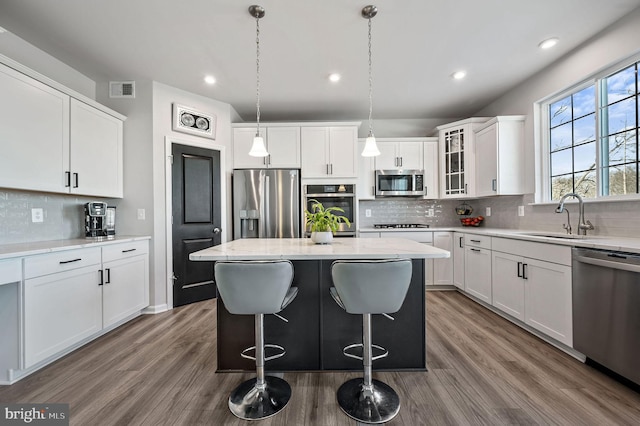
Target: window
{"x":592,"y":137}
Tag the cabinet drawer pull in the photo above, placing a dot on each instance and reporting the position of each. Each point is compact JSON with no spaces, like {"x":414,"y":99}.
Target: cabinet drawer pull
{"x":524,"y":271}
{"x":474,"y":249}
{"x":494,"y":185}
{"x":75,"y":179}
{"x":519,"y":273}
{"x":475,"y":241}
{"x":101,"y":277}
{"x":62,"y":262}
{"x":129,"y":250}
{"x":460,"y":242}
{"x":67,"y":179}
{"x":108,"y":270}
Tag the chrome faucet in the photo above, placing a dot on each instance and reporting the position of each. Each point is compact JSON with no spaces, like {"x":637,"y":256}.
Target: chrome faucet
{"x":582,"y":225}
{"x":567,"y":226}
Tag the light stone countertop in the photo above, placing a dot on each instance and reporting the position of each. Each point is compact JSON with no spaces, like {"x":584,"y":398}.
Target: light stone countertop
{"x":631,"y":245}
{"x":305,"y":249}
{"x":28,"y":249}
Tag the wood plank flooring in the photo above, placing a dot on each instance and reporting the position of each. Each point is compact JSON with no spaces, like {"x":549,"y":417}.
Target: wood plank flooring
{"x":483,"y":370}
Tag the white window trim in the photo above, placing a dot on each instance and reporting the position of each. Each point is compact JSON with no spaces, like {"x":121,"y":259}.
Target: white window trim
{"x":542,"y":194}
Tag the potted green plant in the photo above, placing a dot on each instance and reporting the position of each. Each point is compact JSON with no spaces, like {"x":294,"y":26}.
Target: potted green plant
{"x":323,"y":222}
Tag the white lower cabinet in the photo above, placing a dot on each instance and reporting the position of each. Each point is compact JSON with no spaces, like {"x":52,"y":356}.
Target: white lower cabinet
{"x":74,"y":295}
{"x":60,"y":310}
{"x":477,"y":266}
{"x":547,"y":297}
{"x":458,"y":260}
{"x":126,"y":281}
{"x":532,"y":283}
{"x":508,"y":284}
{"x":443,"y":268}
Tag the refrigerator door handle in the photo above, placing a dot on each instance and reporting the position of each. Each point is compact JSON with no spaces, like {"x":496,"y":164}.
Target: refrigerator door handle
{"x":267,"y":202}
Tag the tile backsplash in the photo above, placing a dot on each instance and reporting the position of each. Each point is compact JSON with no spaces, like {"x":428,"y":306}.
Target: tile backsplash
{"x":63,"y":216}
{"x":609,"y":219}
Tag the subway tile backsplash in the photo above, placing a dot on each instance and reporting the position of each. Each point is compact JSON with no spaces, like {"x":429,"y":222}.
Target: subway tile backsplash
{"x":617,"y":219}
{"x":63,"y":216}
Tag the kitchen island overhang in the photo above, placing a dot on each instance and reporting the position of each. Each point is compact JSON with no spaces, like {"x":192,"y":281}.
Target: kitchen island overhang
{"x":318,"y":328}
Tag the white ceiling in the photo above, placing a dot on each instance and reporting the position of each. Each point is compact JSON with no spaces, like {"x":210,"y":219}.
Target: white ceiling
{"x":417,"y":45}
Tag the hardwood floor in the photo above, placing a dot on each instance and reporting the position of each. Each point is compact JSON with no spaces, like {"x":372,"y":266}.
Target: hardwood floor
{"x":483,"y":370}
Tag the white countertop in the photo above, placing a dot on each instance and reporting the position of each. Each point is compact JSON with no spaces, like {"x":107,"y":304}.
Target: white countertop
{"x":305,"y":249}
{"x":631,"y":245}
{"x":28,"y":249}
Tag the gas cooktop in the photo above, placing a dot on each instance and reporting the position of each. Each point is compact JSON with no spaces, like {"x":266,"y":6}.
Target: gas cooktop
{"x":399,"y":225}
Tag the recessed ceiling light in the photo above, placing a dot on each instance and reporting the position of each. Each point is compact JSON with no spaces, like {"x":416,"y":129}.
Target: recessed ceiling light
{"x":459,"y":75}
{"x":548,"y":43}
{"x":210,"y":79}
{"x":335,"y":77}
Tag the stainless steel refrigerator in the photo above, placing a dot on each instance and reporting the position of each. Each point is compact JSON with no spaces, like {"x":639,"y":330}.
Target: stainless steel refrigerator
{"x":266,"y":203}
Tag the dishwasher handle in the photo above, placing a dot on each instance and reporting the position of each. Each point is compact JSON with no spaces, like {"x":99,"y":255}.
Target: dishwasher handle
{"x":607,"y":263}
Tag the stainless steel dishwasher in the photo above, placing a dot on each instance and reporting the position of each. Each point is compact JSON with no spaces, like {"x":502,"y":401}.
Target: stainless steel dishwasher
{"x":606,"y":309}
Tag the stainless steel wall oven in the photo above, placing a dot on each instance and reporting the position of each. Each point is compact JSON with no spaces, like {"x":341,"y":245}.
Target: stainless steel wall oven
{"x":334,"y":195}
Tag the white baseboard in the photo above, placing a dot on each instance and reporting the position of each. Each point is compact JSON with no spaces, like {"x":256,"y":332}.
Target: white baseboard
{"x":155,"y":309}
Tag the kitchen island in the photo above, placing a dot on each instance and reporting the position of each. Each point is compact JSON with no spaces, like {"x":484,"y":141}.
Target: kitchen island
{"x":318,"y":328}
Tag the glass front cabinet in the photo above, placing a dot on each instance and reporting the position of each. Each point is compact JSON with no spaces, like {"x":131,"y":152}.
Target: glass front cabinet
{"x":457,"y":158}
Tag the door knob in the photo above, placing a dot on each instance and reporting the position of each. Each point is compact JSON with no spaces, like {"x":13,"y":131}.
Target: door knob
{"x":216,"y":230}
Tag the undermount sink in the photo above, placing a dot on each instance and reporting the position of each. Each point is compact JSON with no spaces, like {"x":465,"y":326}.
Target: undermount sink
{"x":553,"y":235}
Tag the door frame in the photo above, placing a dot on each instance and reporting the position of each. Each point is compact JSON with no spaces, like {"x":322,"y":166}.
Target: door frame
{"x":168,"y":146}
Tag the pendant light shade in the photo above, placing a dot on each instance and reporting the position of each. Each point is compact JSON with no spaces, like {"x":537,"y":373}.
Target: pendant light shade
{"x":370,"y":146}
{"x":258,"y":148}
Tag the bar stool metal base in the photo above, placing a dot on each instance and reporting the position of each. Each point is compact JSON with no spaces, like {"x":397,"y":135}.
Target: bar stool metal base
{"x":250,"y":403}
{"x":379,"y":405}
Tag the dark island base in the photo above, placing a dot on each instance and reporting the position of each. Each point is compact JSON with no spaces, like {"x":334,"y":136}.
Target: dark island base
{"x":318,"y":328}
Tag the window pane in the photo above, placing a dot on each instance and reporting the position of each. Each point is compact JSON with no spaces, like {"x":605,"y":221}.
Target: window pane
{"x":621,"y":148}
{"x":621,"y":85}
{"x":584,"y":129}
{"x":586,"y":184}
{"x":622,"y":116}
{"x":561,"y":185}
{"x":560,"y":112}
{"x":623,"y":179}
{"x":561,"y":137}
{"x":584,"y":102}
{"x":561,"y":162}
{"x":584,"y":157}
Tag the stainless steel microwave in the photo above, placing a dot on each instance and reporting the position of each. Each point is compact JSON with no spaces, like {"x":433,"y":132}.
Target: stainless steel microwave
{"x":399,"y":183}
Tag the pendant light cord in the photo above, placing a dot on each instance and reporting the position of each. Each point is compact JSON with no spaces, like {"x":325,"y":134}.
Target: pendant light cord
{"x":258,"y":75}
{"x":370,"y":86}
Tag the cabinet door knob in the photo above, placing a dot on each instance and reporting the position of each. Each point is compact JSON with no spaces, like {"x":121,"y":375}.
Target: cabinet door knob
{"x":216,"y":230}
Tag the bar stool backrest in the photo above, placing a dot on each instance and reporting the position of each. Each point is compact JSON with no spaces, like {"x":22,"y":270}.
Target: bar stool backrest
{"x":372,"y":286}
{"x":253,"y":287}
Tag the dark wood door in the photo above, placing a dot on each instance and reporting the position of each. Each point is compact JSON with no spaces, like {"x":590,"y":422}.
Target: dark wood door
{"x":196,"y":220}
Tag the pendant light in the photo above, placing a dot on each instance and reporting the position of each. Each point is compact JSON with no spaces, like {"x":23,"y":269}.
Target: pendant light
{"x":370,"y":147}
{"x":258,"y":149}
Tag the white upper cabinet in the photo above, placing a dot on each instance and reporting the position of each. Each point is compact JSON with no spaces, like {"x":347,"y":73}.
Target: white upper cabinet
{"x":52,"y":142}
{"x":499,"y":157}
{"x":283,"y":145}
{"x":399,"y":153}
{"x":457,"y":158}
{"x":329,"y":152}
{"x":96,"y":152}
{"x":431,"y":177}
{"x":34,"y":134}
{"x":365,"y":188}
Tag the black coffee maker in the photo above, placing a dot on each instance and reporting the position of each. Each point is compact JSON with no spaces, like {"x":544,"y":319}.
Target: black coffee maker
{"x":95,"y":219}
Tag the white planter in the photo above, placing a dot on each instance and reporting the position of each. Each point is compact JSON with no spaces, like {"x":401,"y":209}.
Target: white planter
{"x":322,"y":237}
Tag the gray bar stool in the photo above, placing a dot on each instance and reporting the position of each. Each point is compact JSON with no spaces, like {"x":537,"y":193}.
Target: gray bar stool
{"x":369,"y":287}
{"x":257,"y":288}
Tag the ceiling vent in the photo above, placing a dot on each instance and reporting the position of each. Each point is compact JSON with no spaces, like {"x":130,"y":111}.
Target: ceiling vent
{"x":122,"y":89}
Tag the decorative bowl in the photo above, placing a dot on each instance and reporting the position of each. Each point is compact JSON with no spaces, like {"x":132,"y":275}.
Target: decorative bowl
{"x":472,"y":221}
